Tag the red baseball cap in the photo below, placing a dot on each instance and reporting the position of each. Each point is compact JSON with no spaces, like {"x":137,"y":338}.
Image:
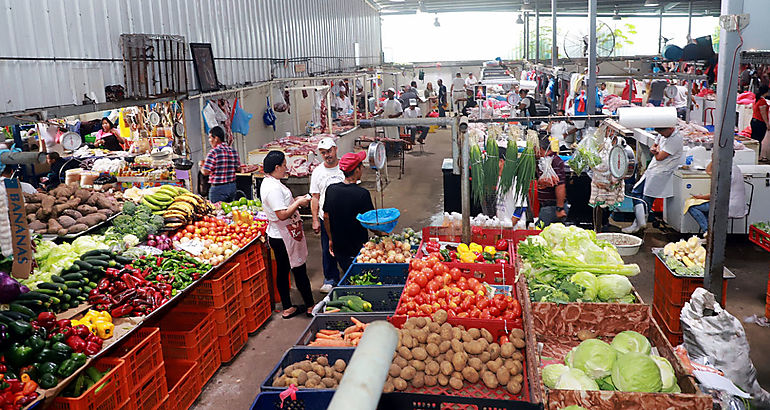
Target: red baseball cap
{"x":350,"y":161}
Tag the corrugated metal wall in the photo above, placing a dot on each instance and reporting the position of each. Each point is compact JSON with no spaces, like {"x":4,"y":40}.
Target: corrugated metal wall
{"x":243,"y":31}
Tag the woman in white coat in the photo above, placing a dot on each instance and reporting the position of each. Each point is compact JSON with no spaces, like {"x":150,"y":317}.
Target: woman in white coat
{"x":657,"y":181}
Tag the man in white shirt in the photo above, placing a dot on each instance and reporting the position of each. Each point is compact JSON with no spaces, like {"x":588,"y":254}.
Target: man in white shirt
{"x":563,"y":131}
{"x":678,"y":99}
{"x":391,"y":108}
{"x":324,"y":175}
{"x":8,"y":174}
{"x":458,"y":92}
{"x":414,"y":112}
{"x":470,"y":82}
{"x":344,"y":106}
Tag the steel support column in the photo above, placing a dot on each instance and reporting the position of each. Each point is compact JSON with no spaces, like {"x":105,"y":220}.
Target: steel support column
{"x":591,"y":77}
{"x":554,"y":48}
{"x":526,"y":35}
{"x":689,"y":22}
{"x":537,"y":32}
{"x":660,"y":31}
{"x":722,"y":155}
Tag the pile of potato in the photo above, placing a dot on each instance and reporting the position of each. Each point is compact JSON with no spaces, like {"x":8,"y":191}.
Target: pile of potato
{"x":67,"y":209}
{"x":433,"y":352}
{"x":318,"y":374}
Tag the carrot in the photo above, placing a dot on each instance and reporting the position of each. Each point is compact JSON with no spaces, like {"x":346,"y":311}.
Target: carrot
{"x":351,"y":329}
{"x":358,"y":323}
{"x":329,"y":332}
{"x":334,"y":310}
{"x":324,"y":336}
{"x":329,"y":343}
{"x":354,"y":335}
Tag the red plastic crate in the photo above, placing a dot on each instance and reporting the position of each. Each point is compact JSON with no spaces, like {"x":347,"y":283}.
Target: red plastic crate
{"x":209,"y":362}
{"x":252,"y":260}
{"x":759,"y":237}
{"x":482,"y":236}
{"x":679,"y":289}
{"x":498,"y":329}
{"x":113,"y":390}
{"x":767,"y":306}
{"x":184,"y":331}
{"x":227,"y":317}
{"x":522,"y":234}
{"x":141,"y":353}
{"x":675,"y":338}
{"x":257,"y":314}
{"x":667,"y":312}
{"x":254,"y":287}
{"x":151,"y":392}
{"x":231,"y":344}
{"x":183,"y":379}
{"x":219,"y":291}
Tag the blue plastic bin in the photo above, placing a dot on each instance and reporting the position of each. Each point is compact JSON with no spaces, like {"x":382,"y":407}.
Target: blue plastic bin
{"x":384,"y":299}
{"x":387,"y":273}
{"x":383,"y":220}
{"x":300,"y":353}
{"x":306,"y":400}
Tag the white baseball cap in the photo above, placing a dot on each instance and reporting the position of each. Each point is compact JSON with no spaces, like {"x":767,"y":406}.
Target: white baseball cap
{"x":412,"y":101}
{"x":326,"y":143}
{"x":391,"y":89}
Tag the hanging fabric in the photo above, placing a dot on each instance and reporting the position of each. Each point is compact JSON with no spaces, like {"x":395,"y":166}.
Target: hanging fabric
{"x":269,"y":116}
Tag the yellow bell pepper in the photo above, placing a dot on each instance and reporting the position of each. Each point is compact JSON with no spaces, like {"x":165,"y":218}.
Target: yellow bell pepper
{"x":462,"y":248}
{"x":474,"y":247}
{"x":104,"y":329}
{"x":490,"y":250}
{"x":467,"y":257}
{"x":83,"y":322}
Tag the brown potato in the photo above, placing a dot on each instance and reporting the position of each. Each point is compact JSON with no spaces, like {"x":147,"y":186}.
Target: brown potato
{"x":484,"y":357}
{"x":399,"y":384}
{"x":407,"y":341}
{"x":470,"y":374}
{"x":518,"y":356}
{"x":312,"y":384}
{"x":457,"y":333}
{"x":401,"y":362}
{"x":280,"y":382}
{"x":474,"y":347}
{"x":394,"y":370}
{"x":494,"y":351}
{"x":288,"y":369}
{"x":404,"y":352}
{"x":431,"y":381}
{"x":328,"y":381}
{"x":337,"y":376}
{"x":419,"y":336}
{"x":443,"y":379}
{"x":329,"y":372}
{"x":487,"y":336}
{"x":322,"y":360}
{"x":419,"y":353}
{"x":518,"y":343}
{"x":475,"y":363}
{"x":493,"y":365}
{"x":407,"y":373}
{"x":433,"y":327}
{"x":290,"y":381}
{"x":474,"y":333}
{"x":503,"y":376}
{"x":516,"y":368}
{"x":456,"y":383}
{"x":340,"y":365}
{"x":318,"y":369}
{"x":518,"y":378}
{"x":418,"y":365}
{"x":418,"y":380}
{"x":444,"y":346}
{"x":388,"y":388}
{"x":517,"y":334}
{"x":507,"y":349}
{"x":440,"y":316}
{"x":513,"y":387}
{"x":508,"y":364}
{"x":434,"y":338}
{"x":432,"y":368}
{"x":490,"y":380}
{"x":446,"y":368}
{"x":457,"y":346}
{"x":432,"y":349}
{"x":305,"y":365}
{"x":466,"y":336}
{"x":409,"y":324}
{"x":459,"y":360}
{"x":420,"y":322}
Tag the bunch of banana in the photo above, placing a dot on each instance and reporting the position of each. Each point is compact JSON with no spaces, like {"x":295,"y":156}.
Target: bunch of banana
{"x":184,"y":209}
{"x":163,"y":197}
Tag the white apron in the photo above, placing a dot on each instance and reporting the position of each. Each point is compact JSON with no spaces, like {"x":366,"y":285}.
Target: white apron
{"x":293,"y":236}
{"x":659,"y":176}
{"x":391,"y":107}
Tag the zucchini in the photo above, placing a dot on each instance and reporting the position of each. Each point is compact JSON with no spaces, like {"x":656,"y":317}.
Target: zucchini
{"x":95,"y":252}
{"x":39,"y":295}
{"x":72,"y":276}
{"x":15,"y":307}
{"x":14,"y":315}
{"x":73,"y":283}
{"x":33,"y":304}
{"x":52,"y":286}
{"x":49,"y":292}
{"x":122,"y":259}
{"x":98,"y":262}
{"x":66,"y":297}
{"x":56,"y":279}
{"x":73,"y":292}
{"x":83,"y":265}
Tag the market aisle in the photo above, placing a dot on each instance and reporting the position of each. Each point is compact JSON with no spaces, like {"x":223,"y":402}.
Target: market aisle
{"x":419,"y":195}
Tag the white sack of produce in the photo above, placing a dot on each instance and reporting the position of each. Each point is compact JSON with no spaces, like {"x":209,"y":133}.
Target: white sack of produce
{"x":719,"y":337}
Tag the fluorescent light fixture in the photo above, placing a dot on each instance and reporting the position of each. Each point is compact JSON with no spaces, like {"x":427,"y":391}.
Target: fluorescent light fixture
{"x":651,"y":3}
{"x":519,"y":20}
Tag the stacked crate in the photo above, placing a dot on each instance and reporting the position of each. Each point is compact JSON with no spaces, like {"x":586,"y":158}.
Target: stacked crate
{"x":144,"y":371}
{"x":189,"y":334}
{"x":255,"y":294}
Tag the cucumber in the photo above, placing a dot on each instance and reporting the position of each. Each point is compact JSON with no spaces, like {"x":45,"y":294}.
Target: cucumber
{"x":72,"y":276}
{"x":54,"y":301}
{"x":56,"y":279}
{"x":66,"y":297}
{"x":71,"y":268}
{"x":83,"y":265}
{"x":34,"y":304}
{"x":73,"y":283}
{"x":100,"y":257}
{"x":39,"y":295}
{"x":15,"y":307}
{"x":122,"y":259}
{"x":49,"y":292}
{"x":95,"y":252}
{"x":73,"y":292}
{"x":15,"y":315}
{"x":98,"y":262}
{"x":52,"y":286}
{"x":64,"y":306}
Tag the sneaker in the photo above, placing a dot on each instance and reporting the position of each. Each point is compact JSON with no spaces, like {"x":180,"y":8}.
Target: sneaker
{"x":326,"y":288}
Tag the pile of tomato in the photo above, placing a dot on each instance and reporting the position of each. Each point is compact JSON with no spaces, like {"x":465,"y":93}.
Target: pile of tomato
{"x":219,"y":230}
{"x":431,"y":286}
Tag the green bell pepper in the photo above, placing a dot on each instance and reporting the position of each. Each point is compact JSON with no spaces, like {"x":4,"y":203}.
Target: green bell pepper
{"x":61,"y":347}
{"x":58,"y":337}
{"x":50,"y":355}
{"x":36,"y":343}
{"x":47,"y":367}
{"x":48,"y":380}
{"x":79,"y":359}
{"x":19,"y":355}
{"x":66,"y":368}
{"x":20,"y":328}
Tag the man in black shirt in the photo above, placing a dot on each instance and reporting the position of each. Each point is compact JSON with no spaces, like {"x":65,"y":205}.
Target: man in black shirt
{"x":470,"y":102}
{"x":441,"y":99}
{"x":344,"y":201}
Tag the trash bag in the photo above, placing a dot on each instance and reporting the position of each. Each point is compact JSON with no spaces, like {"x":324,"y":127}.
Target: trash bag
{"x":711,"y":333}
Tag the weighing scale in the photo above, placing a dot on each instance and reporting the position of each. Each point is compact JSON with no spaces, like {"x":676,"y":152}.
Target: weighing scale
{"x":71,"y":141}
{"x":621,"y":159}
{"x":378,"y":160}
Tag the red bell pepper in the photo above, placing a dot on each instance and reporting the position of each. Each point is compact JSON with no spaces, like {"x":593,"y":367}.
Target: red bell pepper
{"x":92,"y":348}
{"x":501,"y":245}
{"x":47,"y":320}
{"x":76,"y":343}
{"x":121,"y":311}
{"x":63,"y":323}
{"x":81,"y":331}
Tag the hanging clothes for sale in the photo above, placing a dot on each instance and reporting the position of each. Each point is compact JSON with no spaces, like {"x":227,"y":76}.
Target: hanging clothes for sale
{"x":580,"y":103}
{"x":629,"y":91}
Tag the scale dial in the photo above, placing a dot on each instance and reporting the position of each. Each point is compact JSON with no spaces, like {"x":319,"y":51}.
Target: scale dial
{"x":618,"y":161}
{"x":377,"y":155}
{"x":71,"y":141}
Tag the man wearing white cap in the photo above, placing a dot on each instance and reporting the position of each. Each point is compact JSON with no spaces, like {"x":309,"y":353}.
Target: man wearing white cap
{"x":323,"y":176}
{"x":414,"y":112}
{"x":391,"y":108}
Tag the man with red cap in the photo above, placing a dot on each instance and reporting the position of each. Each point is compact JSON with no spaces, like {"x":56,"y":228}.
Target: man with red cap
{"x":344,"y":201}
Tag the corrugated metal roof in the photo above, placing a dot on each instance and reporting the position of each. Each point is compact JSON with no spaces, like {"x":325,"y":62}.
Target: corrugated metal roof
{"x":69,"y":48}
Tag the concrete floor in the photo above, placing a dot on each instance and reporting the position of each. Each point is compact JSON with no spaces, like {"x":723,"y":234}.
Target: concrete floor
{"x":419,"y":197}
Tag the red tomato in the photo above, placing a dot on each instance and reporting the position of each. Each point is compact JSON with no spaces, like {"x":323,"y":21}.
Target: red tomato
{"x":190,"y":228}
{"x":462,"y":314}
{"x":433,"y":286}
{"x":482,"y":303}
{"x":439,"y":280}
{"x":479,"y":288}
{"x":455,"y":274}
{"x":485,"y":315}
{"x":514,"y":307}
{"x":508,"y":315}
{"x":432,"y":260}
{"x":441,"y":293}
{"x":440,"y":267}
{"x":429,"y":273}
{"x":447,"y":279}
{"x":414,"y":264}
{"x":475,"y":312}
{"x":421,"y":280}
{"x":435,"y":306}
{"x":401,"y":310}
{"x":412,"y":289}
{"x":425,"y":308}
{"x":472,"y":282}
{"x":466,"y":304}
{"x":419,"y":299}
{"x":494,"y":311}
{"x":500,"y":303}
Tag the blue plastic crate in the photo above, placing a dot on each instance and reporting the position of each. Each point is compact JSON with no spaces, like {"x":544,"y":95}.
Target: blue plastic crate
{"x":340,"y":323}
{"x":384,"y":299}
{"x":300,"y":353}
{"x":387,"y":273}
{"x":306,"y":400}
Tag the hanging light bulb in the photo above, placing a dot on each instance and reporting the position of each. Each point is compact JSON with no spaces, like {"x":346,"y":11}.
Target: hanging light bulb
{"x":616,"y":15}
{"x":436,"y":23}
{"x":519,"y":20}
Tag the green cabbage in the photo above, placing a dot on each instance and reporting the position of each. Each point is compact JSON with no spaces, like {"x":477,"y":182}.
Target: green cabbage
{"x":667,"y":376}
{"x":551,"y":374}
{"x":630,"y":341}
{"x":568,"y":357}
{"x":589,"y":282}
{"x":613,"y":287}
{"x":636,"y":372}
{"x":574,"y":379}
{"x":594,"y":357}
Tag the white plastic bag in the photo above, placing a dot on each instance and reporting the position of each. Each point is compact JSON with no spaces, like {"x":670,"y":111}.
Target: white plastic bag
{"x":710,"y":332}
{"x":548,"y":177}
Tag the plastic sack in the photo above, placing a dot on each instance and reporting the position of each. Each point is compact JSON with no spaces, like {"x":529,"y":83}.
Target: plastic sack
{"x":241,"y":119}
{"x":548,"y":177}
{"x":712,"y":334}
{"x":586,"y":155}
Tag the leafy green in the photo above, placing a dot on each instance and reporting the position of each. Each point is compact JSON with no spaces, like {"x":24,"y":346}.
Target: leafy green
{"x":52,"y":258}
{"x":141,"y":224}
{"x":636,"y":372}
{"x":762,"y":226}
{"x":630,"y":341}
{"x":594,"y":357}
{"x":575,"y":379}
{"x":612,"y":287}
{"x":551,"y":374}
{"x":589,"y":283}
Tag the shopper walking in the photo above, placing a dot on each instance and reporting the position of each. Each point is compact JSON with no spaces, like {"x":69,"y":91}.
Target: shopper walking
{"x":220,"y":166}
{"x":414,"y":112}
{"x":324,"y":175}
{"x":285,"y":233}
{"x":657,"y":181}
{"x":759,"y":119}
{"x":344,"y":201}
{"x":391,"y":108}
{"x":442,"y":103}
{"x":458,"y":92}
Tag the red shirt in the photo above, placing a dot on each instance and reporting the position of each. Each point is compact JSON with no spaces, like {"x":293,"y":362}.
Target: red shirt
{"x":758,"y":103}
{"x":223,"y":163}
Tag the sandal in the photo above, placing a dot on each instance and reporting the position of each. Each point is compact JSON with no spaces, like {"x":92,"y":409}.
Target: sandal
{"x":295,"y":312}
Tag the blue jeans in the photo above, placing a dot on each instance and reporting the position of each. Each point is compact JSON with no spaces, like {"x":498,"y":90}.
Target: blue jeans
{"x":222,"y":193}
{"x":331,"y":273}
{"x":547,"y":215}
{"x":638,"y":192}
{"x":700,"y":214}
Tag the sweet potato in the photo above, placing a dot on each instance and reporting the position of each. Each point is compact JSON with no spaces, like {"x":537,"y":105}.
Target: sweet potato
{"x":72,"y":214}
{"x":66,"y":221}
{"x":107,"y":212}
{"x":32,"y":198}
{"x":38,"y":227}
{"x":54,"y":226}
{"x":31,"y":208}
{"x":86,"y":209}
{"x":83,"y":195}
{"x":63,"y":190}
{"x":70,"y":204}
{"x":77,"y":228}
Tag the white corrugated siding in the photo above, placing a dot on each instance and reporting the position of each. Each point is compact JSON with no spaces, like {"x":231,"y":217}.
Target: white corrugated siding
{"x":235,"y":28}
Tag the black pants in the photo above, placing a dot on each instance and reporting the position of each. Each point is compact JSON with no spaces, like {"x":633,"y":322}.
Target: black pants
{"x":423,"y":133}
{"x":758,"y":129}
{"x":282,"y":276}
{"x":345,"y":261}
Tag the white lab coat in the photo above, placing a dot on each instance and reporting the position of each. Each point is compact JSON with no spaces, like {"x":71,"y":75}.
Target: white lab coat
{"x":391,"y":107}
{"x":659,"y":177}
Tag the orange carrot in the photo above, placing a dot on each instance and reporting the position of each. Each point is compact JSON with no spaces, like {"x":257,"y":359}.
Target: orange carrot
{"x":329,"y":332}
{"x":354,"y":335}
{"x":335,"y":310}
{"x":329,"y":343}
{"x":351,"y":329}
{"x":357,"y":322}
{"x":325,"y":336}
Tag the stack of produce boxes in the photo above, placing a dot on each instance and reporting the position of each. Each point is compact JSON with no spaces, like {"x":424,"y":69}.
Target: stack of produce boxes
{"x":144,"y":369}
{"x":254,"y":295}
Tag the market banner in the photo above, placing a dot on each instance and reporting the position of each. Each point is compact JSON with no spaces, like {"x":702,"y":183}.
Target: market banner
{"x":22,"y":242}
